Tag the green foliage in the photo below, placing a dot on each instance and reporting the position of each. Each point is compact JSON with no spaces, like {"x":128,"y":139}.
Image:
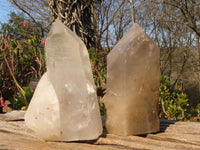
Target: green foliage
{"x":174,"y":104}
{"x":22,"y":102}
{"x":99,"y":74}
{"x":102,"y":109}
{"x":14,"y":28}
{"x":197,"y":110}
{"x":98,"y":67}
{"x":22,"y":58}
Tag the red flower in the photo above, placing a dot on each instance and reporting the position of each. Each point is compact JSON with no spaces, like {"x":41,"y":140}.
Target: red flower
{"x":43,"y":41}
{"x":2,"y":102}
{"x":24,"y":24}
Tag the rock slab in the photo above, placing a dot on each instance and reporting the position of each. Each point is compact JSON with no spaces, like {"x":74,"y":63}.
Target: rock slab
{"x":64,"y":106}
{"x":175,"y":136}
{"x":133,"y":79}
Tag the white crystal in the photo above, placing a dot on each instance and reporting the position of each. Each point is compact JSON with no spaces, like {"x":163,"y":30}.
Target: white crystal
{"x":67,"y":90}
{"x":43,"y":112}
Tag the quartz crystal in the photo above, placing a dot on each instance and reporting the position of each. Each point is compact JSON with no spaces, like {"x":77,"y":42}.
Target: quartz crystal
{"x":64,"y":106}
{"x":133,"y":79}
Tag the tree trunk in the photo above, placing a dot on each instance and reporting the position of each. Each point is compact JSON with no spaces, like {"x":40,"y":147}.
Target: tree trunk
{"x":198,"y":59}
{"x":77,"y":15}
{"x":198,"y":52}
{"x":95,"y":21}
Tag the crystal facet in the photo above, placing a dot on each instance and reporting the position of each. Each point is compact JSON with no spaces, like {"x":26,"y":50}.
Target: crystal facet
{"x":64,"y":106}
{"x":133,"y":79}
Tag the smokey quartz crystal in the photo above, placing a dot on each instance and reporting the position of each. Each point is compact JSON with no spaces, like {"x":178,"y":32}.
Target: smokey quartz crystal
{"x":133,"y":79}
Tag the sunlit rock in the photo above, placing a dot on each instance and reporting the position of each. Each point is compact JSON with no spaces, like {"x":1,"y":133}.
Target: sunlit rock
{"x":64,"y":106}
{"x":133,"y":79}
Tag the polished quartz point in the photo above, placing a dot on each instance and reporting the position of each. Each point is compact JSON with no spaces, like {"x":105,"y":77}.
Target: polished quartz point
{"x":133,"y":79}
{"x":64,"y":106}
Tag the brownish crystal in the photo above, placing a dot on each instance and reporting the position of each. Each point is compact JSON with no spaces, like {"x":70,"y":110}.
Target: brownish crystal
{"x":133,"y":79}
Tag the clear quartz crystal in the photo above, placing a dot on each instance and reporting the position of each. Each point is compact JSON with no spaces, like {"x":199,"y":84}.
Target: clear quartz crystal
{"x":64,"y":106}
{"x":133,"y":79}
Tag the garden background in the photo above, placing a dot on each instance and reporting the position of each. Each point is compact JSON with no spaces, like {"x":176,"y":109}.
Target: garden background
{"x":173,"y":25}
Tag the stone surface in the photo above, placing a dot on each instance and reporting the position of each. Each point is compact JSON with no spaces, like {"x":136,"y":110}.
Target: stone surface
{"x":175,"y":136}
{"x":133,"y":79}
{"x":13,"y":115}
{"x":64,"y":106}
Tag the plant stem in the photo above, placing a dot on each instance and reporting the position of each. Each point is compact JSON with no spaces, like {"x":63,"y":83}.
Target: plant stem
{"x":22,"y":92}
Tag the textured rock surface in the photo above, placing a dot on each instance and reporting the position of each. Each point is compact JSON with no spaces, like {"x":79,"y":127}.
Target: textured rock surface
{"x":133,"y":79}
{"x":174,"y":135}
{"x":13,"y":115}
{"x":64,"y":106}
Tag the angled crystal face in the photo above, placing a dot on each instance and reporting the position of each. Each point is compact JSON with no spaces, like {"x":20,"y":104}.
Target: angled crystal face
{"x":133,"y":79}
{"x":69,"y":79}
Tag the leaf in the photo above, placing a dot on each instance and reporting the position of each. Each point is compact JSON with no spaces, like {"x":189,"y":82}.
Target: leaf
{"x":28,"y":93}
{"x":1,"y":56}
{"x":21,"y":60}
{"x":13,"y":44}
